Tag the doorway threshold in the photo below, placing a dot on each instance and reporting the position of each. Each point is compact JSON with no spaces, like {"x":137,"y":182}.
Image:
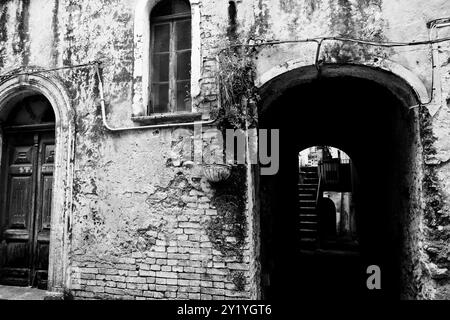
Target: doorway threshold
{"x":331,"y":252}
{"x":21,"y":293}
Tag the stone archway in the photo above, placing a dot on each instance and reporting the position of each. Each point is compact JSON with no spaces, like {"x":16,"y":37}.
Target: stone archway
{"x":52,"y":89}
{"x":365,"y":112}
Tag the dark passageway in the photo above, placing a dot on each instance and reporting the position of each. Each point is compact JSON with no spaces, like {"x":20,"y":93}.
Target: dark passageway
{"x":380,"y":135}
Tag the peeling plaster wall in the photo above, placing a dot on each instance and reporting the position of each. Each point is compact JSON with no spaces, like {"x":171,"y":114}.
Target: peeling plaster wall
{"x":140,"y":218}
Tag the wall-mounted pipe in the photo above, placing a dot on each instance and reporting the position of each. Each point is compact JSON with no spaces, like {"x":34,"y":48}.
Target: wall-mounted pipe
{"x":433,"y":25}
{"x":121,"y":129}
{"x":437,"y":23}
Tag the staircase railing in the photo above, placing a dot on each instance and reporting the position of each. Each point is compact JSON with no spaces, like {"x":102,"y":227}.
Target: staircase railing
{"x":329,"y":171}
{"x":319,"y":186}
{"x":319,"y":191}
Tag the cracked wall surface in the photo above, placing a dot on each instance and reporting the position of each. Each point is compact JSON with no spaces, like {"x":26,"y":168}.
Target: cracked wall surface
{"x":140,"y":223}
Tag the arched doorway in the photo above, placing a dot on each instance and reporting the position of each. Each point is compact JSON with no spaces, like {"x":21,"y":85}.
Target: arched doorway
{"x":327,"y":179}
{"x":28,"y":159}
{"x":329,"y":237}
{"x":375,"y":127}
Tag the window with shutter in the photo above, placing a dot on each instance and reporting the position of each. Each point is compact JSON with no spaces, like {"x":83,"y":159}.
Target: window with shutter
{"x":170,"y":23}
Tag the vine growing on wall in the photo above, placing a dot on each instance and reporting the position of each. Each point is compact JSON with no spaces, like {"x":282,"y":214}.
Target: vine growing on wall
{"x":434,"y":205}
{"x":434,"y":201}
{"x":237,"y":91}
{"x":227,"y":230}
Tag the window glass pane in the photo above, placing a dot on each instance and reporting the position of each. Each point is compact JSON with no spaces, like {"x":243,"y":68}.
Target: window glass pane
{"x":184,"y":65}
{"x":170,"y":80}
{"x":168,"y":7}
{"x":160,"y":67}
{"x":180,"y":6}
{"x":183,"y":30}
{"x":160,"y":101}
{"x":161,"y":34}
{"x":163,"y":8}
{"x":183,"y":96}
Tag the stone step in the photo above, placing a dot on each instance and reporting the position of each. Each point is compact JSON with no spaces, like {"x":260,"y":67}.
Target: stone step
{"x":309,"y":175}
{"x":308,"y":188}
{"x":308,"y":205}
{"x":308,"y":233}
{"x":308,"y":209}
{"x":308,"y":185}
{"x":308,"y":239}
{"x":308,"y":217}
{"x":308,"y":169}
{"x":304,"y":194}
{"x":311,"y":181}
{"x":305,"y":198}
{"x":307,"y":202}
{"x":312,"y":224}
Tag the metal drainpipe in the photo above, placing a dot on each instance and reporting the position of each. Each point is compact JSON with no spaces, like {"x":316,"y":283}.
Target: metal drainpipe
{"x":107,"y":126}
{"x":433,"y":25}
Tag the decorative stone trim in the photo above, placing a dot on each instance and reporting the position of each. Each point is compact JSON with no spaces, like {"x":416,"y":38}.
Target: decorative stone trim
{"x":142,"y":56}
{"x":55,"y":92}
{"x":162,"y":118}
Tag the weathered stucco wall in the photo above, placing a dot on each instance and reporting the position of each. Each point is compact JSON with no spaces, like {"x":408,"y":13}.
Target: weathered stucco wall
{"x":142,"y":223}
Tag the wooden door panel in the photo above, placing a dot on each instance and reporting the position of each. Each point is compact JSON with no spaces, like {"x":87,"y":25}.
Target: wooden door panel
{"x":46,"y":185}
{"x":47,"y":202}
{"x":17,"y":218}
{"x":15,"y":269}
{"x":17,"y":254}
{"x":43,"y":212}
{"x":19,"y":193}
{"x":26,"y":197}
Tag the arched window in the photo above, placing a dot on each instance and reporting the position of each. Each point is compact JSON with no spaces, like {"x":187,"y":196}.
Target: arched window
{"x":170,"y":27}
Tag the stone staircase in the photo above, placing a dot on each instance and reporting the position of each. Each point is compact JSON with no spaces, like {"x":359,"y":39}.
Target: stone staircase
{"x":309,"y":220}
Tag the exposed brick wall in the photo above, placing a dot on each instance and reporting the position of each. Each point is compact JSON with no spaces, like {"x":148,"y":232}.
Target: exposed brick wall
{"x":140,"y":221}
{"x":181,"y":262}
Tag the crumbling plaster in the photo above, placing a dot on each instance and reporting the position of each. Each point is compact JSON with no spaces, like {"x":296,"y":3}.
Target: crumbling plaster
{"x":127,"y":192}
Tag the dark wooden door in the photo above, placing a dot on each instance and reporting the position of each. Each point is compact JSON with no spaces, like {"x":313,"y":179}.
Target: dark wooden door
{"x":26,"y":193}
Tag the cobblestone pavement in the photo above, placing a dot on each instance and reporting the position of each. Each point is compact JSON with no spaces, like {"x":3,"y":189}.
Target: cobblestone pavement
{"x":21,"y":293}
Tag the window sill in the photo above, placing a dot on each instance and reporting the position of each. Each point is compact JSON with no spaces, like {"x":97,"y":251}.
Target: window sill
{"x":166,"y":118}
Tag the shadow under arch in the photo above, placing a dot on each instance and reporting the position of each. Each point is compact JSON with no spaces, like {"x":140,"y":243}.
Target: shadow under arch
{"x":52,"y":88}
{"x":364,"y":112}
{"x":272,"y":88}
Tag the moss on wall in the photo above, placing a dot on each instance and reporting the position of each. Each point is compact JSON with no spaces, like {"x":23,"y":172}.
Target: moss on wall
{"x":227,"y":230}
{"x":3,"y":33}
{"x":437,"y":237}
{"x":55,"y":31}
{"x":433,"y":198}
{"x":22,"y":45}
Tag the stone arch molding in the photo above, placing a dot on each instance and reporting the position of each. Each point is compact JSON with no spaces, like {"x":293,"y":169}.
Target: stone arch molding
{"x":142,"y":55}
{"x":364,"y":70}
{"x":53,"y":89}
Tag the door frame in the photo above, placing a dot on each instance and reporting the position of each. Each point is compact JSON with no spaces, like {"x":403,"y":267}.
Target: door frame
{"x":46,"y":133}
{"x":53,"y":89}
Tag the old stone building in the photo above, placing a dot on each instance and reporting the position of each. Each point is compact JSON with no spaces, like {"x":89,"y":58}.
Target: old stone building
{"x":98,"y":98}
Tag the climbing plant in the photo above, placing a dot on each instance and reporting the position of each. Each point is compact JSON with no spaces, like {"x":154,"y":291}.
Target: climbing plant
{"x":434,"y":201}
{"x":237,"y":91}
{"x":230,"y":222}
